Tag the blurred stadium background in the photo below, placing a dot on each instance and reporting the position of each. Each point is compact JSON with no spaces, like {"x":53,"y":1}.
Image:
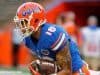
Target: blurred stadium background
{"x":14,"y":57}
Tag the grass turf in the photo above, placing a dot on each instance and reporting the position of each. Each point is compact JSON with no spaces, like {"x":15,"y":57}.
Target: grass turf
{"x":14,"y":71}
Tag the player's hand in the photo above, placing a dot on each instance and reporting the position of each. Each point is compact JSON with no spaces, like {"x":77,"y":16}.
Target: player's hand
{"x":33,"y":72}
{"x":33,"y":68}
{"x":36,"y":73}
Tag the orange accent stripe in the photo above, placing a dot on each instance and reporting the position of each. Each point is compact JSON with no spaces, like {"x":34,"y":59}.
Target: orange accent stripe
{"x":64,"y":42}
{"x":84,"y":70}
{"x":57,"y":41}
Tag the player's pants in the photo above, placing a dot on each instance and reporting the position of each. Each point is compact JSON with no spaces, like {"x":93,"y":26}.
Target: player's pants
{"x":83,"y":71}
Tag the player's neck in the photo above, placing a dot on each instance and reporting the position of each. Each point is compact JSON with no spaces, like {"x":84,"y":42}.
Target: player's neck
{"x":36,"y":34}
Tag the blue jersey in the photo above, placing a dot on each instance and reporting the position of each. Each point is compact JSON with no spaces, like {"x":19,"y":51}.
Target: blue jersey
{"x":52,"y":39}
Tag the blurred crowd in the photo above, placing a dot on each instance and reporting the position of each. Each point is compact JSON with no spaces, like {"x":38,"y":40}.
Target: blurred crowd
{"x":87,"y":37}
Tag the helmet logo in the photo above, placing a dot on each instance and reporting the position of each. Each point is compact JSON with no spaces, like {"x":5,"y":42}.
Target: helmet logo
{"x":29,"y":11}
{"x":24,"y":13}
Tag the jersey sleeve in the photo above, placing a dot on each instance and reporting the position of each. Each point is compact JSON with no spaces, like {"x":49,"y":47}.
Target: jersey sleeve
{"x":59,"y":42}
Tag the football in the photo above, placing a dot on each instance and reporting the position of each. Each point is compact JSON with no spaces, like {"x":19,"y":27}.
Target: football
{"x":44,"y":67}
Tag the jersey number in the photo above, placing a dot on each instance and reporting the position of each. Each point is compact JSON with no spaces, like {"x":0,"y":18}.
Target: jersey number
{"x":51,"y":30}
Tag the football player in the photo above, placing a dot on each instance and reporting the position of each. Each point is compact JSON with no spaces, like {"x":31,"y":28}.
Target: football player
{"x":50,"y":43}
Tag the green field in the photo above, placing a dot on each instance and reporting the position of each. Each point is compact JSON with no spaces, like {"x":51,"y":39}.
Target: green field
{"x":14,"y":71}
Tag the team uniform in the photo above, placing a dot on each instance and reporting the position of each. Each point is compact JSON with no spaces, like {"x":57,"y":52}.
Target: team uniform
{"x":91,"y":45}
{"x":52,"y":40}
{"x":30,"y":18}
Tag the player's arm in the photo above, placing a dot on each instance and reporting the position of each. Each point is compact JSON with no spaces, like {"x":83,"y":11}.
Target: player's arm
{"x":64,"y":60}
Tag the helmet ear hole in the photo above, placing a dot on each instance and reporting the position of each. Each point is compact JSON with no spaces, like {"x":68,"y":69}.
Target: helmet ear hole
{"x":36,"y":20}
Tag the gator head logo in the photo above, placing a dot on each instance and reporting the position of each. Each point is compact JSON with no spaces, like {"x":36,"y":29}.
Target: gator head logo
{"x":45,"y":52}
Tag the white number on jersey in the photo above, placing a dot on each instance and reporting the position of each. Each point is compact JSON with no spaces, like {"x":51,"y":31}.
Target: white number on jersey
{"x":51,"y":30}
